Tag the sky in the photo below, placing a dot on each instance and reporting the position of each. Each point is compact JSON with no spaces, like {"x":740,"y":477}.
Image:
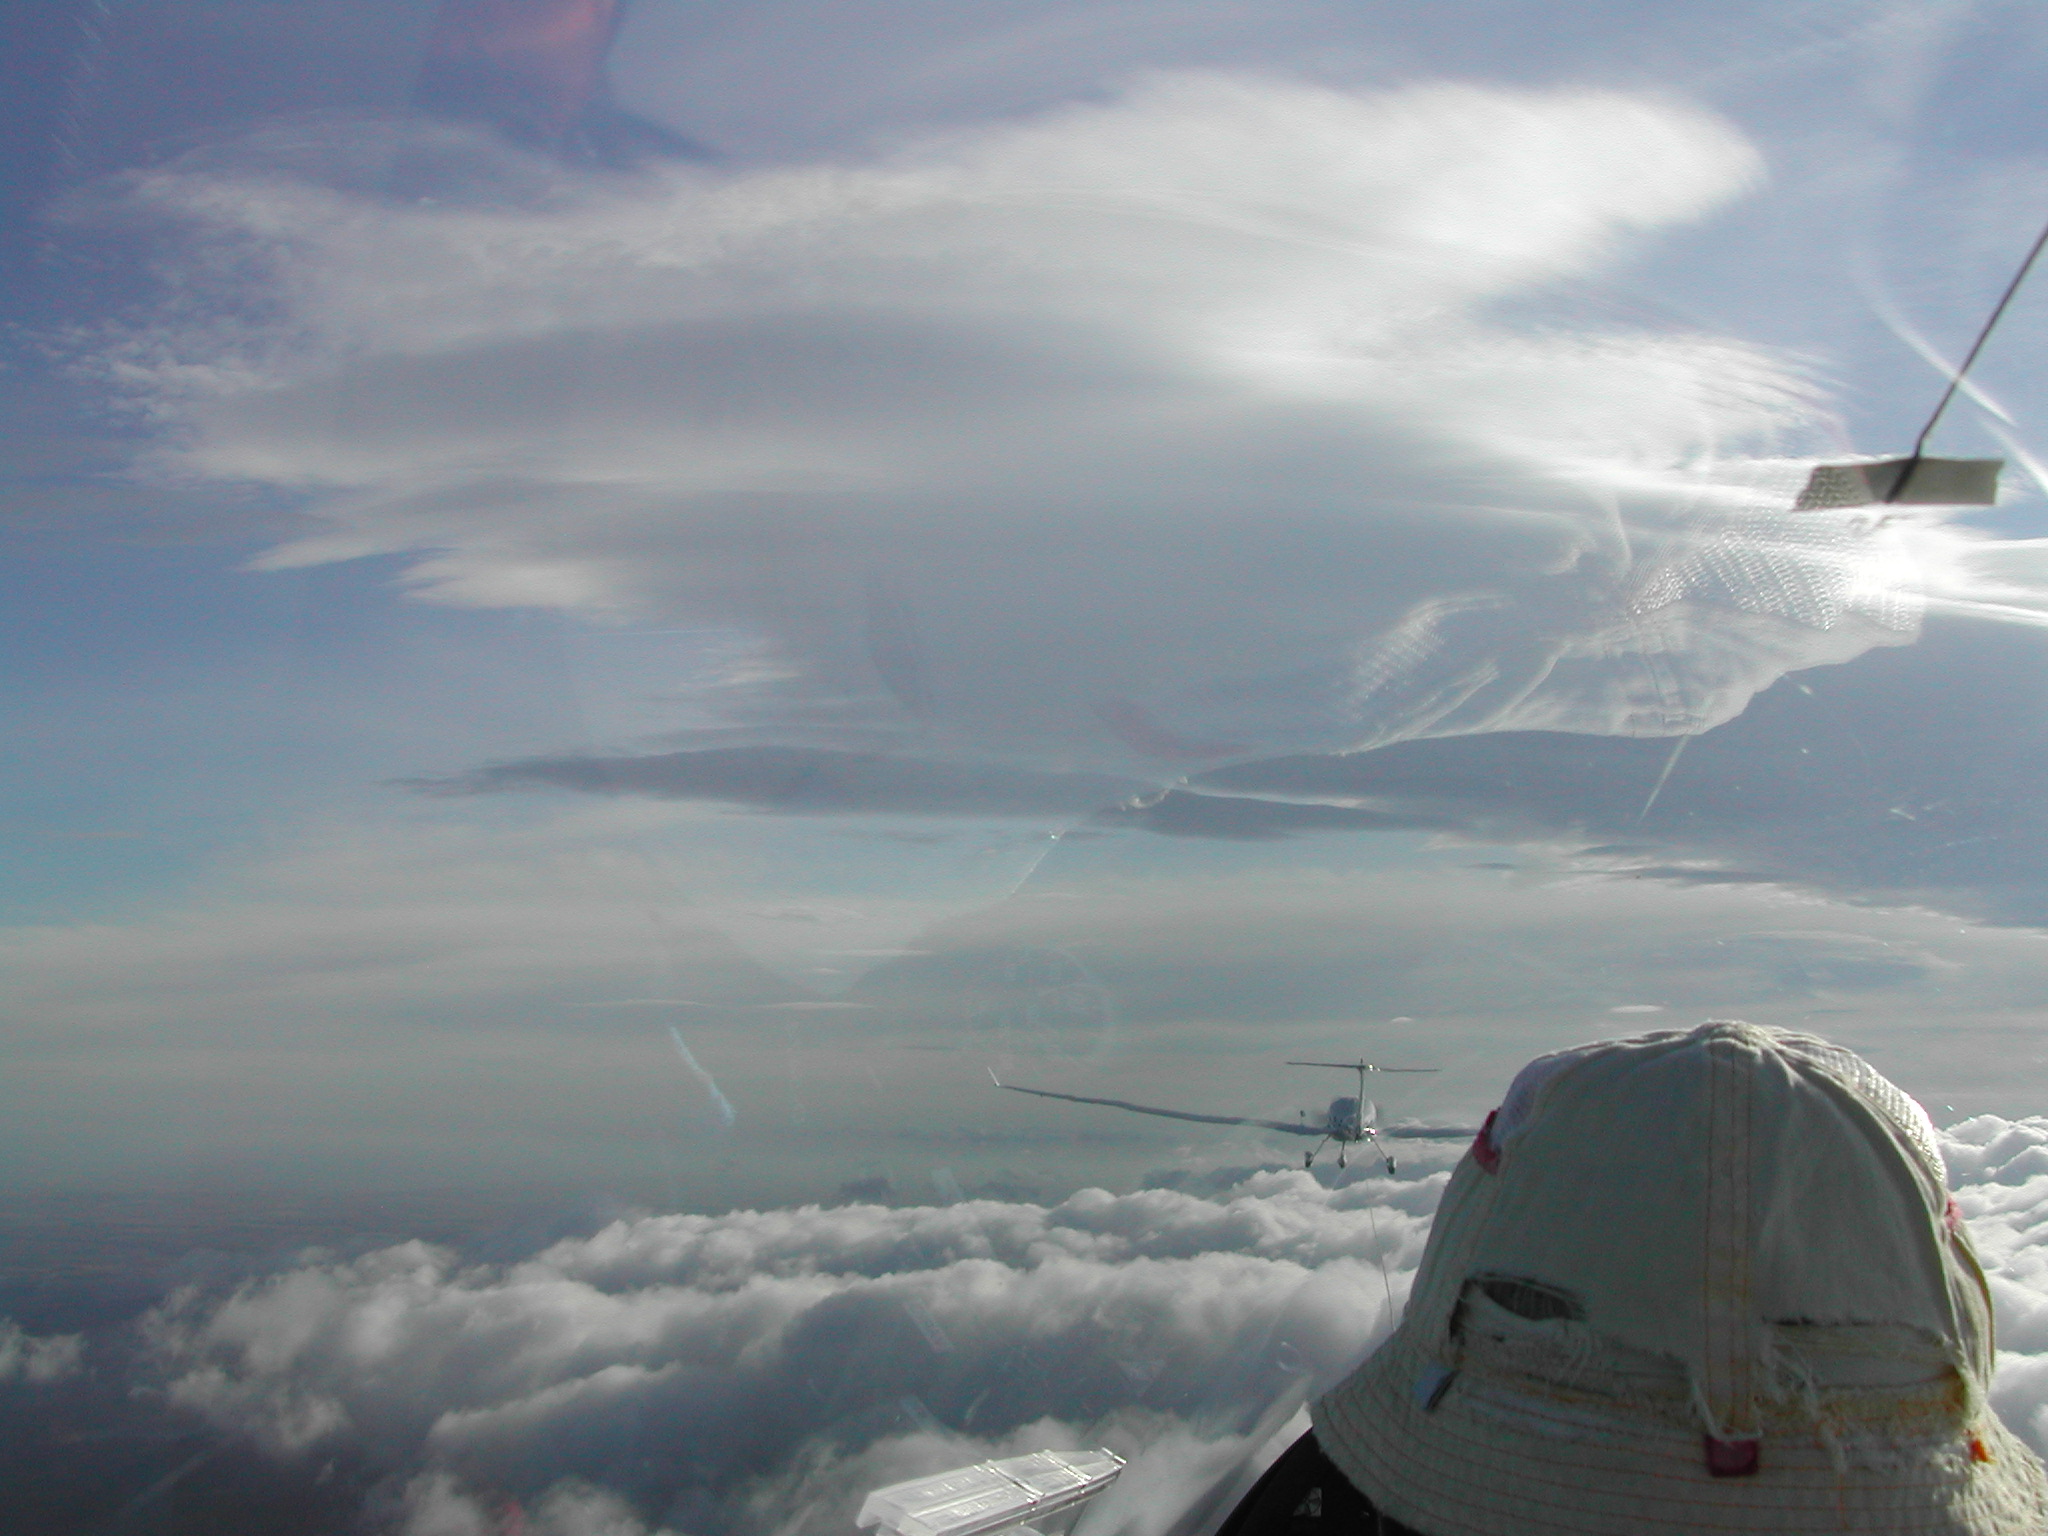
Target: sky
{"x":608,"y":606}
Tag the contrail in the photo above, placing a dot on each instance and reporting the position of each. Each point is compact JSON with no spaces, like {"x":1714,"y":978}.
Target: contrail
{"x":1896,"y":322}
{"x":1670,"y":763}
{"x":725,"y":1109}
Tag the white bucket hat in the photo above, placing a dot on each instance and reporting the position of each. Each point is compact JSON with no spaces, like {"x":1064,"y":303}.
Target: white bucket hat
{"x":1703,"y":1281}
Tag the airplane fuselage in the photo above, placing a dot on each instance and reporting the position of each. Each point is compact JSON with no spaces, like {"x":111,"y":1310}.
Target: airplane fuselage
{"x":1348,"y":1119}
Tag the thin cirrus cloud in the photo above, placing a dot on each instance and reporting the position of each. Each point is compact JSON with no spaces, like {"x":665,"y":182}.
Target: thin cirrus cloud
{"x":1131,"y":438}
{"x":760,"y":1370}
{"x":1907,"y":777}
{"x":445,"y":1000}
{"x":799,"y":780}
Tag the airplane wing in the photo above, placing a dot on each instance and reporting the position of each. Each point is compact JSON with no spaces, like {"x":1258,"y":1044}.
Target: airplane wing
{"x":1288,"y":1127}
{"x":1431,"y":1132}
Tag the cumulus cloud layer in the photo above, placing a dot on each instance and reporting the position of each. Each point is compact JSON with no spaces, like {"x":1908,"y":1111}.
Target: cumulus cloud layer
{"x":758,"y":1370}
{"x":681,"y":1360}
{"x":1137,"y":436}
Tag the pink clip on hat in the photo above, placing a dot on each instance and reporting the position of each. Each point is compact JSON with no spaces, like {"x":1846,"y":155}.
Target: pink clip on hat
{"x":1702,"y":1282}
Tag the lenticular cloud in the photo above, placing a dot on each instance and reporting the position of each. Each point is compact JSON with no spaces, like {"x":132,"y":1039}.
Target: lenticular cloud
{"x":758,"y":1371}
{"x":1141,"y":436}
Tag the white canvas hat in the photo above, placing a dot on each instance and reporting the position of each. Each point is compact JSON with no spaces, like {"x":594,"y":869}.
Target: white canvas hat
{"x":1704,"y":1281}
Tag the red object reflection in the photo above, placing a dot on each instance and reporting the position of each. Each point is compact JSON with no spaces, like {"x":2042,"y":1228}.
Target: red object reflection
{"x":535,"y":68}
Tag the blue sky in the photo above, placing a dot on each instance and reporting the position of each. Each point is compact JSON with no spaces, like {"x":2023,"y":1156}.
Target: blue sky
{"x":966,"y":421}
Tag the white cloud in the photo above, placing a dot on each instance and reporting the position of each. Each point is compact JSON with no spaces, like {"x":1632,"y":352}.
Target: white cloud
{"x":38,"y":1359}
{"x":808,"y":1350}
{"x":1999,"y":1171}
{"x":1136,"y":435}
{"x":759,"y":1370}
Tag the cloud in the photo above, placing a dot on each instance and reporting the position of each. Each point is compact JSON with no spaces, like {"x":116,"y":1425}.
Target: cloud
{"x":458,"y":994}
{"x":807,"y":780}
{"x":679,"y":1361}
{"x":1189,"y":813}
{"x":1999,"y":1171}
{"x":38,"y":1360}
{"x":440,"y":996}
{"x":759,"y":1370}
{"x":1906,"y":777}
{"x":1132,"y":437}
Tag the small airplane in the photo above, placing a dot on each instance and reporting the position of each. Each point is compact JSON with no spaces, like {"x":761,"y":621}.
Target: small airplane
{"x":1348,"y":1121}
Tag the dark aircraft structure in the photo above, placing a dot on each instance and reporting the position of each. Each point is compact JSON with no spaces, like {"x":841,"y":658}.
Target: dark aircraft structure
{"x":1348,"y":1121}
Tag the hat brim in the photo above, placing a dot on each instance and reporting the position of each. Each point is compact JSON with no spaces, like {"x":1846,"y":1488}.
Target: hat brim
{"x":1489,"y":1458}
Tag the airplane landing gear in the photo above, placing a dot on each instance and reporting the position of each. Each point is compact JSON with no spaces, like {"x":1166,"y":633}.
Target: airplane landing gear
{"x":1380,"y":1150}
